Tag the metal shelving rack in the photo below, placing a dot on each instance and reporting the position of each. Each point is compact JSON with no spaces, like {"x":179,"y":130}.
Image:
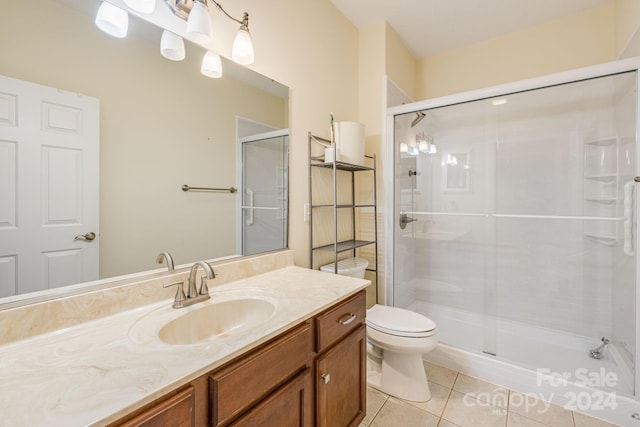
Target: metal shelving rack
{"x":352,"y":244}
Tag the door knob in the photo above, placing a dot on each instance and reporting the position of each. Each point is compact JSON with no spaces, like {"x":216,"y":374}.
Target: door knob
{"x":87,"y":237}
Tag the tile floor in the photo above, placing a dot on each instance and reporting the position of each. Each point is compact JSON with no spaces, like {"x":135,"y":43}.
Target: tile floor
{"x":458,"y":400}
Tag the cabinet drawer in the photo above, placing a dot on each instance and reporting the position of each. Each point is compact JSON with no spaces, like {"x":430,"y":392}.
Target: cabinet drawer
{"x":289,"y":406}
{"x":239,"y":385}
{"x":340,"y":320}
{"x":175,"y":411}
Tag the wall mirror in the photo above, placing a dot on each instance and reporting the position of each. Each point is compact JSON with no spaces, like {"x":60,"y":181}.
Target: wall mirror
{"x":160,"y":124}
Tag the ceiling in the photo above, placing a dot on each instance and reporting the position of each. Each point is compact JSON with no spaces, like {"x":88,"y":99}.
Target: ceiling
{"x":432,"y":26}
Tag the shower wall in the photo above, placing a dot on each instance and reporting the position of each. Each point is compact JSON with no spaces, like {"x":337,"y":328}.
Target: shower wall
{"x":520,"y":214}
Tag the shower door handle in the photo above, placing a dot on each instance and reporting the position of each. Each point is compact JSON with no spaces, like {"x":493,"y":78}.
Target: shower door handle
{"x":404,"y":220}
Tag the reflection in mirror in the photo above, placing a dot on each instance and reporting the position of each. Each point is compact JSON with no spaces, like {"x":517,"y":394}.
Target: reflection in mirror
{"x":98,"y":135}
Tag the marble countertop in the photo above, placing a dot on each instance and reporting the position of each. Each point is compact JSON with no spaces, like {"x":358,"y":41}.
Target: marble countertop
{"x":95,"y":372}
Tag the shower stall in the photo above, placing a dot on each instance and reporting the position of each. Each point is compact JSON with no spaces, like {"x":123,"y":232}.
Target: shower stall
{"x":514,"y":223}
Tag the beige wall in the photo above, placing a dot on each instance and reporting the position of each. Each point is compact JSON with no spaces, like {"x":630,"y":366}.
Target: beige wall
{"x":400,"y":64}
{"x":627,"y":25}
{"x":579,"y":40}
{"x":162,"y":124}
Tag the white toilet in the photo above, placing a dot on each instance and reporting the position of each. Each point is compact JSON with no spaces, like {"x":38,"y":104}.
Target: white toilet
{"x":397,"y":339}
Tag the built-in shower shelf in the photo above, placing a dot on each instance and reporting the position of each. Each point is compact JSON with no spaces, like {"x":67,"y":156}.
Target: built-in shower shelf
{"x":603,"y":142}
{"x":605,"y":239}
{"x":605,"y":200}
{"x":606,"y":176}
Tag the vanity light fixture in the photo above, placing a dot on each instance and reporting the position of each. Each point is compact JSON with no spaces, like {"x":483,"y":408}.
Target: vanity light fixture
{"x":142,"y":6}
{"x":242,"y":50}
{"x":112,"y":20}
{"x":196,"y":13}
{"x":172,"y":46}
{"x":199,"y":23}
{"x":211,"y":65}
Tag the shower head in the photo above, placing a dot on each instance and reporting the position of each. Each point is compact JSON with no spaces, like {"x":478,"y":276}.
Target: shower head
{"x":419,"y":116}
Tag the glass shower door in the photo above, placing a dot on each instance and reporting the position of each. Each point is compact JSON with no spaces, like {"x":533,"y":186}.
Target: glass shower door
{"x":444,"y":264}
{"x":515,"y":225}
{"x":265,"y":192}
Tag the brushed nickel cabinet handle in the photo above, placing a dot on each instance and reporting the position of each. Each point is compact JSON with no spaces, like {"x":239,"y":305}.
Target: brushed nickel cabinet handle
{"x":347,"y":318}
{"x":326,"y":378}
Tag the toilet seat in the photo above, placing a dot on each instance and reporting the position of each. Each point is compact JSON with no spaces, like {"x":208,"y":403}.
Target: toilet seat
{"x":399,"y":322}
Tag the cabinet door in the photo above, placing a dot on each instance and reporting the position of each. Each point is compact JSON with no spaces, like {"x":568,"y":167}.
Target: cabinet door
{"x":289,"y":406}
{"x":246,"y":381}
{"x":176,"y":411}
{"x":341,"y":376}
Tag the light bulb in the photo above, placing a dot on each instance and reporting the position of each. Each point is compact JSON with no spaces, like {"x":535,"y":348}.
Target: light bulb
{"x":211,"y":65}
{"x":423,"y":146}
{"x":242,"y":50}
{"x":172,"y":46}
{"x":199,"y":23}
{"x":112,"y":20}
{"x":142,"y":6}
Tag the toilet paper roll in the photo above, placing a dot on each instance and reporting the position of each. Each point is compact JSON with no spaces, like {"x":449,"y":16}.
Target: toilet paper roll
{"x":349,"y":138}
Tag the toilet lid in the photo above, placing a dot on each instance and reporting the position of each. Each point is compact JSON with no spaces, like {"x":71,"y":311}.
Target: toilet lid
{"x":398,"y":321}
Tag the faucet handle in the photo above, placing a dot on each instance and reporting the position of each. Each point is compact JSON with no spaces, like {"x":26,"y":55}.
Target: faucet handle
{"x":180,"y":296}
{"x":204,"y":289}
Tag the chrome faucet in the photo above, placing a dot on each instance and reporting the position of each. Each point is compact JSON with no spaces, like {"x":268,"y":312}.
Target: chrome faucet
{"x":162,"y":256}
{"x":193,"y":295}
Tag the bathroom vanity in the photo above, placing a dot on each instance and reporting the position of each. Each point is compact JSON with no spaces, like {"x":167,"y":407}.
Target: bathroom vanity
{"x":295,"y":356}
{"x":313,"y":371}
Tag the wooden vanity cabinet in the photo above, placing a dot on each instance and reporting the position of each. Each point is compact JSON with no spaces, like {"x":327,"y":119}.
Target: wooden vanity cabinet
{"x":340,"y":364}
{"x":176,"y":411}
{"x":261,"y":375}
{"x":314,"y":374}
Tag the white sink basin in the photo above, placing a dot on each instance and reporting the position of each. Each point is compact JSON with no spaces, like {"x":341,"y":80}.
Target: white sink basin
{"x":215,"y":320}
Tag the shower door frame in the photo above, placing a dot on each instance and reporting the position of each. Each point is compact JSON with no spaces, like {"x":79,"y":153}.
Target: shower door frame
{"x":586,"y":73}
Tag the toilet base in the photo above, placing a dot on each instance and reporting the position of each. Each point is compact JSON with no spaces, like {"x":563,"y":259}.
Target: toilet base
{"x":399,"y":375}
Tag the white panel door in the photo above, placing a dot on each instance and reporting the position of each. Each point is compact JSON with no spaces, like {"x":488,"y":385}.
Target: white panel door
{"x":49,"y":187}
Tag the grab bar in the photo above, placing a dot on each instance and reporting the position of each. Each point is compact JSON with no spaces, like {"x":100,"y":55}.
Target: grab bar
{"x":445,"y":213}
{"x":186,"y":187}
{"x":628,"y":218}
{"x":583,"y":218}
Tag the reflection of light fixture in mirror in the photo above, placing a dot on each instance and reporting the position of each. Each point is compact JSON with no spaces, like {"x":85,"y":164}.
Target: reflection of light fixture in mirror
{"x":172,"y":46}
{"x":142,"y":6}
{"x":112,"y":20}
{"x":425,"y":144}
{"x":451,"y":160}
{"x":199,"y":23}
{"x":404,"y":148}
{"x":199,"y":26}
{"x":211,"y":65}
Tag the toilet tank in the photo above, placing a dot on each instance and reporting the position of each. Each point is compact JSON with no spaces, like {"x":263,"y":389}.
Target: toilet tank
{"x":353,"y":267}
